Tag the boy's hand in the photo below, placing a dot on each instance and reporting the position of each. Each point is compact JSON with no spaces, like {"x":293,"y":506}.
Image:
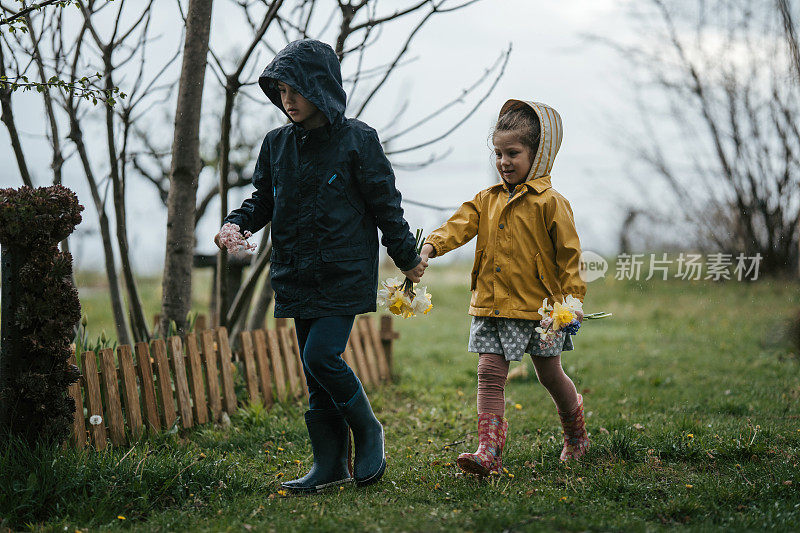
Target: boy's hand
{"x":427,"y":252}
{"x":216,"y":241}
{"x":415,"y":274}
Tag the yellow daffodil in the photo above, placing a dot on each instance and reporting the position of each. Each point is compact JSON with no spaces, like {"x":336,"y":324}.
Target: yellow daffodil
{"x":562,"y":315}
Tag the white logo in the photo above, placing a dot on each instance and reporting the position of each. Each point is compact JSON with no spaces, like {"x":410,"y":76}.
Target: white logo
{"x":593,"y":266}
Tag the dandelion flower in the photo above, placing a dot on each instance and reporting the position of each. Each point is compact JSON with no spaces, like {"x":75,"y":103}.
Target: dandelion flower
{"x":120,"y":517}
{"x":518,"y":406}
{"x":95,"y":420}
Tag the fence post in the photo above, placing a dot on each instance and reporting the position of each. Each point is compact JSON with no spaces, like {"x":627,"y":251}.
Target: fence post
{"x":388,"y":336}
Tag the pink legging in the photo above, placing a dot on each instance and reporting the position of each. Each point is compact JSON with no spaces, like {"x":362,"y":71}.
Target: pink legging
{"x":493,"y":372}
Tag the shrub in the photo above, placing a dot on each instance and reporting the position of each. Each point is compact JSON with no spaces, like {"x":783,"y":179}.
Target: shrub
{"x":40,"y":308}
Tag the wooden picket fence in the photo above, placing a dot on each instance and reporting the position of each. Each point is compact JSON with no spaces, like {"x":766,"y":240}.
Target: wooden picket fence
{"x":189,"y":380}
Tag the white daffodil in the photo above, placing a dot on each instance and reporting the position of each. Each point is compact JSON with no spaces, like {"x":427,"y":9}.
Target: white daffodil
{"x":573,"y":303}
{"x":545,"y":309}
{"x":387,"y":294}
{"x":384,"y":295}
{"x":393,"y":282}
{"x":541,"y":331}
{"x":421,"y":302}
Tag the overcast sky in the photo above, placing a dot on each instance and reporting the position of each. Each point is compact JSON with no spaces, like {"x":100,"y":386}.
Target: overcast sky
{"x":552,"y":62}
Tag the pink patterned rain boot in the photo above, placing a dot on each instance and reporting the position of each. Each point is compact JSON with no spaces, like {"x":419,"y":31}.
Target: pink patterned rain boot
{"x":492,"y":431}
{"x":576,"y":441}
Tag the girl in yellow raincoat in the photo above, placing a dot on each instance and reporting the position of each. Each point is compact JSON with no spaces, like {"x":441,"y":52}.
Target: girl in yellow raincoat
{"x":527,"y":250}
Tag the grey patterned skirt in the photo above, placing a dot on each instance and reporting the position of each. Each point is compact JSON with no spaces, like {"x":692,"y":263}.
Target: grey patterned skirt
{"x":513,"y":338}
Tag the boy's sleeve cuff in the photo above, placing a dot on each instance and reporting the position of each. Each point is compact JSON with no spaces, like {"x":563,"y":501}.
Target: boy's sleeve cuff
{"x":410,"y":265}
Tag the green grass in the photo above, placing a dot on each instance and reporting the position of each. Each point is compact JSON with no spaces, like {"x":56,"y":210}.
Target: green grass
{"x":691,"y":393}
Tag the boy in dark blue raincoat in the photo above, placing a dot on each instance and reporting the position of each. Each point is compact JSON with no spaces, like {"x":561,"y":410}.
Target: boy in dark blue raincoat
{"x":326,"y":186}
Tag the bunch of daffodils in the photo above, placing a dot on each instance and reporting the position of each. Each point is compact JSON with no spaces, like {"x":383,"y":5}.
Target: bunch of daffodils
{"x":402,"y":297}
{"x":562,"y":316}
{"x":231,"y":237}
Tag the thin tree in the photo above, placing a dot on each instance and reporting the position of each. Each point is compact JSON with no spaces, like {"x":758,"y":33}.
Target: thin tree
{"x":794,"y":50}
{"x":177,"y":280}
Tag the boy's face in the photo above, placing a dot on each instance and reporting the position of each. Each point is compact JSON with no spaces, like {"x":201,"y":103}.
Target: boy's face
{"x":512,"y":158}
{"x":299,"y":109}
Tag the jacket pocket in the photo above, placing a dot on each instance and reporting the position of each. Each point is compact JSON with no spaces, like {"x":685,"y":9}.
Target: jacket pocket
{"x":340,"y":183}
{"x":476,"y":269}
{"x":280,"y":269}
{"x":343,"y":272}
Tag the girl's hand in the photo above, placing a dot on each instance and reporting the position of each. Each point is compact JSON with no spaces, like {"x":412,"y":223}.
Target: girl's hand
{"x":579,"y":315}
{"x":415,"y":274}
{"x":427,"y":252}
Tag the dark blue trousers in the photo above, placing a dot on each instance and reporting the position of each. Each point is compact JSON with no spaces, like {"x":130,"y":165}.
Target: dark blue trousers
{"x":322,"y":342}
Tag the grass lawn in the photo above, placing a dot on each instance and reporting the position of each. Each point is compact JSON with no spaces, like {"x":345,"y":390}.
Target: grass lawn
{"x":691,"y":394}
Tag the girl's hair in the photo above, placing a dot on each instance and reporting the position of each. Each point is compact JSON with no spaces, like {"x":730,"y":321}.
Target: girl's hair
{"x":522,"y":121}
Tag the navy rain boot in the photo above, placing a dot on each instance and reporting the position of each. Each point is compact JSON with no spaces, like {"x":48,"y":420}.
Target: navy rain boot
{"x":370,"y":461}
{"x":330,"y":440}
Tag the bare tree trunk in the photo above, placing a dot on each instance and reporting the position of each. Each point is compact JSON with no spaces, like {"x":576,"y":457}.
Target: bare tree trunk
{"x":258,"y":316}
{"x":55,"y":138}
{"x":55,"y":141}
{"x":177,"y":281}
{"x":7,"y":118}
{"x":76,"y":135}
{"x":258,"y":308}
{"x":232,"y":86}
{"x":794,"y":50}
{"x":225,"y":144}
{"x":138,"y":322}
{"x":238,"y":312}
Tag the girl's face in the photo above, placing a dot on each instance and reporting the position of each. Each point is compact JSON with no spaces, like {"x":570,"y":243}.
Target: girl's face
{"x":512,"y":158}
{"x":299,"y":109}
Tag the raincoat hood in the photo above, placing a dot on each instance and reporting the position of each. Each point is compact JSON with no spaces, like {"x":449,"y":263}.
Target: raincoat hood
{"x":312,"y":69}
{"x":549,"y":139}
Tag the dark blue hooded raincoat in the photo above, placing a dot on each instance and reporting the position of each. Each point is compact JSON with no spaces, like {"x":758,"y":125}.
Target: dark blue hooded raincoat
{"x":326,"y":192}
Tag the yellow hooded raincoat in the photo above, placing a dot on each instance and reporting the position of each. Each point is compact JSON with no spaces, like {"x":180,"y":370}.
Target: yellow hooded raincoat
{"x":527,"y":247}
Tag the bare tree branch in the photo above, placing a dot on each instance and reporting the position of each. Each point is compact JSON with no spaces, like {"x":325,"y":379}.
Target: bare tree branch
{"x":463,"y":119}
